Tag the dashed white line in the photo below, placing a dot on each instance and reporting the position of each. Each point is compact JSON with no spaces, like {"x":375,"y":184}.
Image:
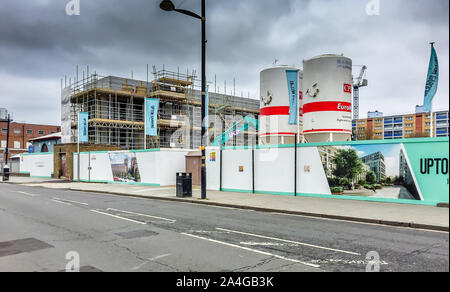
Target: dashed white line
{"x":252,"y":250}
{"x":75,"y":202}
{"x":26,"y":194}
{"x":144,"y":215}
{"x":118,"y":217}
{"x":289,"y":241}
{"x":60,"y":202}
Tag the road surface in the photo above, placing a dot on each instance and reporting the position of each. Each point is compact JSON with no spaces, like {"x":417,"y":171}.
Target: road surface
{"x":48,"y":230}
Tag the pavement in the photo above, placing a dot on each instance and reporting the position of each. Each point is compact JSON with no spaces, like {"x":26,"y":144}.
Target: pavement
{"x":404,"y":215}
{"x":53,"y":229}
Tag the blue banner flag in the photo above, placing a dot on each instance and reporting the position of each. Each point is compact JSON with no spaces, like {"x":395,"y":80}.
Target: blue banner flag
{"x":292,"y":79}
{"x":83,"y":127}
{"x":432,"y":81}
{"x":151,"y":117}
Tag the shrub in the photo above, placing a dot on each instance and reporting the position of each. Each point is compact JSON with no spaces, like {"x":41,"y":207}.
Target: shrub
{"x":336,"y":190}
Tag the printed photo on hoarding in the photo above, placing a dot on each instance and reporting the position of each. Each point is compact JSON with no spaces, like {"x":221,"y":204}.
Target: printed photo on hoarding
{"x":124,"y":167}
{"x":378,"y":171}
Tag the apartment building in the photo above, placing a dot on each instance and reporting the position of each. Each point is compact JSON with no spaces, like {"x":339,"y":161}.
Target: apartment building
{"x":378,"y":127}
{"x":377,"y":164}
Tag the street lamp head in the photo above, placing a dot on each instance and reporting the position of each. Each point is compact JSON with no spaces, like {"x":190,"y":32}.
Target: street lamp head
{"x":167,"y":5}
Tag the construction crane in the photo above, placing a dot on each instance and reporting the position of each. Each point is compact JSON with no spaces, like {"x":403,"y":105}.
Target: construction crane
{"x":357,"y":84}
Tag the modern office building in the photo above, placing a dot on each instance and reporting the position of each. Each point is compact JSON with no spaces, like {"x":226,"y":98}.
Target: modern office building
{"x":401,"y":126}
{"x":377,"y":164}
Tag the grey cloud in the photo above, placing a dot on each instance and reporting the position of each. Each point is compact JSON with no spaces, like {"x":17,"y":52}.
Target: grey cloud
{"x":39,"y":42}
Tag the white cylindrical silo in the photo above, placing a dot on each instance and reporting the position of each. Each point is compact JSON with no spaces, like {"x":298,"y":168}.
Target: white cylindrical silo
{"x":280,"y":102}
{"x":327,"y":99}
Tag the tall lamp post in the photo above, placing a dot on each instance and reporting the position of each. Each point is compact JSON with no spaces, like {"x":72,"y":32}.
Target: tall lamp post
{"x":168,"y":5}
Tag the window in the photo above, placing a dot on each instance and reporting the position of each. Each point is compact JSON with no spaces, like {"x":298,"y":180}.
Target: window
{"x":52,"y":132}
{"x":16,"y":144}
{"x":361,"y":122}
{"x":4,"y":131}
{"x":3,"y":144}
{"x":409,"y":118}
{"x":409,"y":125}
{"x":409,"y":132}
{"x":41,"y":132}
{"x":427,"y":124}
{"x":29,"y":132}
{"x":17,"y":131}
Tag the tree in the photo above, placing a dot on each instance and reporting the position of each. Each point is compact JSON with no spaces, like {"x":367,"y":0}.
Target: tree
{"x":347,"y":164}
{"x":371,"y":177}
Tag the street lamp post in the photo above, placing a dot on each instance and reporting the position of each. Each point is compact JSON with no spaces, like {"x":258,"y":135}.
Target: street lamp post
{"x":168,"y":5}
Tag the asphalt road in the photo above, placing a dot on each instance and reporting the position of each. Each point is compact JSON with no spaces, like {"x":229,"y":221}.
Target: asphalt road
{"x":40,"y":229}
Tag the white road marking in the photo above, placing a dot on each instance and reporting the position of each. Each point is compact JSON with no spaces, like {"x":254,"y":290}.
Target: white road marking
{"x":253,"y":250}
{"x":75,"y":202}
{"x":289,"y":241}
{"x":150,"y":260}
{"x":144,"y":215}
{"x":118,"y":217}
{"x":26,"y":194}
{"x":357,"y":222}
{"x":59,"y":202}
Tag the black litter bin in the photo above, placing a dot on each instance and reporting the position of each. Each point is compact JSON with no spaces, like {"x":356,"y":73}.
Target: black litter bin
{"x":6,"y":173}
{"x":184,"y":185}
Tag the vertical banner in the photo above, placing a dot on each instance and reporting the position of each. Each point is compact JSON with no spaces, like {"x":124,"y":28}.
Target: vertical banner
{"x":151,"y":117}
{"x":83,"y":127}
{"x":292,"y":79}
{"x":432,"y":80}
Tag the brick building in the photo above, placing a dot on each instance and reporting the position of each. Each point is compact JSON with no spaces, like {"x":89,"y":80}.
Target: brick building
{"x":20,"y":135}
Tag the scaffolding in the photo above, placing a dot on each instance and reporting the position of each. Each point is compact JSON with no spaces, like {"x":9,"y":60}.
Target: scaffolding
{"x":116,"y":108}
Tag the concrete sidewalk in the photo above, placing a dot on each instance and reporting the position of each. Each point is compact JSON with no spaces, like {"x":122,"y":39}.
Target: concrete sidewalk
{"x":405,"y":215}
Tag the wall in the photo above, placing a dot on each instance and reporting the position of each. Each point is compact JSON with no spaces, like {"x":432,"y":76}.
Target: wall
{"x":37,"y":165}
{"x":316,"y":174}
{"x":156,"y":167}
{"x":37,"y":145}
{"x":68,"y":150}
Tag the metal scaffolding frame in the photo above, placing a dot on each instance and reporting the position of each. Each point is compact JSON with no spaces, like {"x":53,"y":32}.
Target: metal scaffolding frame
{"x":116,"y":111}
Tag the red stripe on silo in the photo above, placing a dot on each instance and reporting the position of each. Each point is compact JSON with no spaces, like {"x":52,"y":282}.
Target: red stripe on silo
{"x":327,"y":106}
{"x":327,"y":130}
{"x":278,"y":134}
{"x":275,"y":111}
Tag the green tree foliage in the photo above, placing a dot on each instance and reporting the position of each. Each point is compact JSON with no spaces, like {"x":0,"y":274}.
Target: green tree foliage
{"x":371,"y":177}
{"x":348,"y":165}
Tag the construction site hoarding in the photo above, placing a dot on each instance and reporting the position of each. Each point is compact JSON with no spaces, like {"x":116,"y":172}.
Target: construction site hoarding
{"x":411,"y":171}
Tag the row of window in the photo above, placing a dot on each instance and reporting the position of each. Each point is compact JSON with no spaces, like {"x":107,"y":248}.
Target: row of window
{"x":29,"y":132}
{"x":17,"y":144}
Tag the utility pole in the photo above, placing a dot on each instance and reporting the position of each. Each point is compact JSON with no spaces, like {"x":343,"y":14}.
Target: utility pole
{"x":8,"y":121}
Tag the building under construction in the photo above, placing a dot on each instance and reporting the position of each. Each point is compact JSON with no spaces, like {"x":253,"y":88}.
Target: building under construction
{"x":116,"y":111}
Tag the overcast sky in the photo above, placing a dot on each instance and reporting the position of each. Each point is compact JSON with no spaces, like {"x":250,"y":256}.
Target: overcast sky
{"x":39,"y":44}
